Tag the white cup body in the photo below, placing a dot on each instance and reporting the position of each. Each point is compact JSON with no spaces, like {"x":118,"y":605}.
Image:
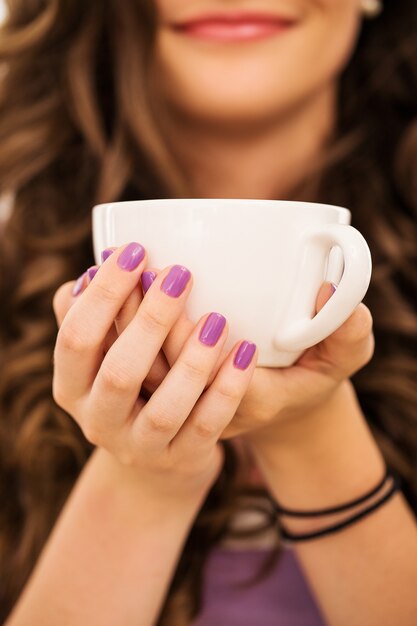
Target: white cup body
{"x":247,"y":257}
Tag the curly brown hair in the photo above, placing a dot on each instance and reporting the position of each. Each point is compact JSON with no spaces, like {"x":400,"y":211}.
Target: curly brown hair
{"x":76,"y":128}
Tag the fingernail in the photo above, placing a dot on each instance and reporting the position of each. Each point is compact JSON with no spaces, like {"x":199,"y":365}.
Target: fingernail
{"x":147,"y":279}
{"x":79,"y":285}
{"x":244,"y":355}
{"x":91,"y":272}
{"x":131,"y":256}
{"x":333,"y":287}
{"x":176,"y":281}
{"x":212,"y":329}
{"x":106,"y":253}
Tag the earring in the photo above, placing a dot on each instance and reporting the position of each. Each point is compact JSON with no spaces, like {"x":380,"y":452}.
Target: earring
{"x":371,"y":8}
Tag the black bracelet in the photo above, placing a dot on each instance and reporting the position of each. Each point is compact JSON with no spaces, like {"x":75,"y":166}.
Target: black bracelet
{"x":329,"y":530}
{"x":280,"y":510}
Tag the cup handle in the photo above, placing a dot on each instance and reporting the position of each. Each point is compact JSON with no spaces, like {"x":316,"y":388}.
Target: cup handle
{"x":304,"y":333}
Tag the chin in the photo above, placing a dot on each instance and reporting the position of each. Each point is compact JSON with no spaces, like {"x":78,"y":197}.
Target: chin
{"x":231,"y":107}
{"x":228,"y":92}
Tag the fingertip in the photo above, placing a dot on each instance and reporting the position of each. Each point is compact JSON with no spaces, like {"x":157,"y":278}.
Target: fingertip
{"x":147,"y":278}
{"x":245,"y":355}
{"x":326,"y":291}
{"x":357,"y":328}
{"x":62,"y":300}
{"x":131,"y":256}
{"x":107,"y":252}
{"x":91,"y":272}
{"x":79,"y":284}
{"x":177,"y":280}
{"x":212,"y":328}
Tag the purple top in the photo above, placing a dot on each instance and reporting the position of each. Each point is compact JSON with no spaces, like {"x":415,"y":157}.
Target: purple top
{"x":282,"y":598}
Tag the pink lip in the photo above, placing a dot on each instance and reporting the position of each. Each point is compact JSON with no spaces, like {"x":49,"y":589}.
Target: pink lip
{"x":235,"y":27}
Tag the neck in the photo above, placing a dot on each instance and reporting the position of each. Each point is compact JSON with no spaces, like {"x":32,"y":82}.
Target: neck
{"x":255,"y":162}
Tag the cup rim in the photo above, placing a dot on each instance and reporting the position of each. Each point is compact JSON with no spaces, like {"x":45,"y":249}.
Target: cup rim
{"x":205,"y":202}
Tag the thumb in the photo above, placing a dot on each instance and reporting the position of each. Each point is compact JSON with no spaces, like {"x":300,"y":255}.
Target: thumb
{"x":351,"y":346}
{"x":63,"y":298}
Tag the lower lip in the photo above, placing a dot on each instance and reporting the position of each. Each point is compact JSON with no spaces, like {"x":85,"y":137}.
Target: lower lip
{"x":228,"y":32}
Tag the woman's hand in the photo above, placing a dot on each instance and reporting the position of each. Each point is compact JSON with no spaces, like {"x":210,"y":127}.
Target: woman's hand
{"x":172,"y":438}
{"x":280,"y":399}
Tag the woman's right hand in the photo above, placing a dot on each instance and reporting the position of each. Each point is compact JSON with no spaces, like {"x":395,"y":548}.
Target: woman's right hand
{"x":171,"y":439}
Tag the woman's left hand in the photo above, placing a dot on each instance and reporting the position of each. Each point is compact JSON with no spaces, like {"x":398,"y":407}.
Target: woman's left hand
{"x":279,"y":398}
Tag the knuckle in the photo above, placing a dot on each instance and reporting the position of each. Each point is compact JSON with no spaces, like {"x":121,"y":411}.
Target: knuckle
{"x":126,"y":458}
{"x":153,"y":321}
{"x":58,"y":394}
{"x":92,"y":433}
{"x":160,"y":422}
{"x":193,"y":372}
{"x":116,"y":377}
{"x":69,"y":339}
{"x":205,"y":429}
{"x":106,"y":292}
{"x":230,"y":393}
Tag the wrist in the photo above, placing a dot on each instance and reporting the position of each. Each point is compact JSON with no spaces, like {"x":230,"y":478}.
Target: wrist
{"x":301,"y":432}
{"x":335,"y":457}
{"x":307,"y":437}
{"x":157,"y":494}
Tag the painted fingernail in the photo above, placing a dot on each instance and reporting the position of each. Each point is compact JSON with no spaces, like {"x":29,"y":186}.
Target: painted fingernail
{"x":106,"y":253}
{"x":79,"y":285}
{"x":333,"y":287}
{"x":244,"y":355}
{"x":147,"y":279}
{"x":91,"y":272}
{"x":131,"y":256}
{"x":176,"y":281}
{"x":212,"y":329}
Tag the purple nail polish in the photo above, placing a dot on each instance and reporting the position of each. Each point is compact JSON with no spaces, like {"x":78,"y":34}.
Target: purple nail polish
{"x":176,"y":281}
{"x":131,"y":256}
{"x":334,"y":287}
{"x":79,"y":285}
{"x":91,"y":272}
{"x":147,"y":279}
{"x":244,"y":355}
{"x":106,"y":253}
{"x":212,"y":329}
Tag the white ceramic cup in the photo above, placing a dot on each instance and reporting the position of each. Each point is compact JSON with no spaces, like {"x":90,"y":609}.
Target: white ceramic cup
{"x":258,"y":262}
